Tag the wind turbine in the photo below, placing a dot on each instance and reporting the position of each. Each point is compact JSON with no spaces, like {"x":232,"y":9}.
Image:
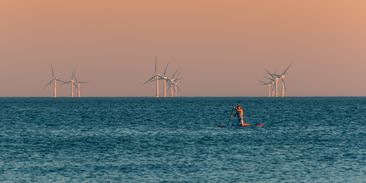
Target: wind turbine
{"x":155,"y":78}
{"x":174,"y":88}
{"x":176,"y":84}
{"x":165,"y":78}
{"x":54,"y":80}
{"x":276,"y":79}
{"x":273,"y":85}
{"x":72,"y":81}
{"x":173,"y":84}
{"x":79,"y":83}
{"x":280,"y":78}
{"x":269,"y":85}
{"x":283,"y":75}
{"x":170,"y":83}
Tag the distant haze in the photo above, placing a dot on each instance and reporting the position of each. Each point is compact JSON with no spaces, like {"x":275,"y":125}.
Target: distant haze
{"x":222,"y":47}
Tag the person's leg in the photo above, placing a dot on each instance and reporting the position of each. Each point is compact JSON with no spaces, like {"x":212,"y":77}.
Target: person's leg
{"x":241,"y":121}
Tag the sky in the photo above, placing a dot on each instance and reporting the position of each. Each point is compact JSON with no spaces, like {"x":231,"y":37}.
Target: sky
{"x":221,"y":46}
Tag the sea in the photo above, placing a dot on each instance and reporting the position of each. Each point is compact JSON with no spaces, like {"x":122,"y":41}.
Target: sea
{"x":184,"y":139}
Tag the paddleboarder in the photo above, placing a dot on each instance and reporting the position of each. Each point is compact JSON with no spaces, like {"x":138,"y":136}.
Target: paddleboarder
{"x":239,"y":112}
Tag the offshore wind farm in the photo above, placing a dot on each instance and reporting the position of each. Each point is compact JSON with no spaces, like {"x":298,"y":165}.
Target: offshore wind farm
{"x":170,"y":83}
{"x":75,"y":84}
{"x":276,"y":83}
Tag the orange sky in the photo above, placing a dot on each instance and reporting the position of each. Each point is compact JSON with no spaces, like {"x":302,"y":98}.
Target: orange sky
{"x":221,"y":46}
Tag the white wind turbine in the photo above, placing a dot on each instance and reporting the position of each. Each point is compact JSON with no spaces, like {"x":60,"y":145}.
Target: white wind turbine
{"x":171,"y":87}
{"x":176,"y":84}
{"x":276,"y":80}
{"x":283,"y":75}
{"x":155,"y":78}
{"x":79,"y":83}
{"x":175,"y":88}
{"x":165,"y":79}
{"x":269,"y":85}
{"x":173,"y":84}
{"x":72,"y":81}
{"x":280,"y":78}
{"x":54,"y":80}
{"x":272,"y":81}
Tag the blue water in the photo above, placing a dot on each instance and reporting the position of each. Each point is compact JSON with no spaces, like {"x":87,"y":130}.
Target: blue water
{"x":178,"y":140}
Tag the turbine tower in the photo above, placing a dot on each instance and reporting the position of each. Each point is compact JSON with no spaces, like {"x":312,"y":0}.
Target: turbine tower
{"x":54,"y":80}
{"x":155,"y":78}
{"x":277,"y":81}
{"x":273,"y":88}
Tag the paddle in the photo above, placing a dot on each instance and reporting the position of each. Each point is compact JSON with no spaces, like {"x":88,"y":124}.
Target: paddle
{"x":231,"y":117}
{"x":228,"y":122}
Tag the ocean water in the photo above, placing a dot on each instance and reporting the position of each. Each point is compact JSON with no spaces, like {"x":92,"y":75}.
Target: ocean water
{"x":182,"y":140}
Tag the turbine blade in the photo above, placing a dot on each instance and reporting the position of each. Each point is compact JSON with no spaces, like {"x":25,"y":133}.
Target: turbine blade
{"x":267,"y":72}
{"x":156,"y":64}
{"x":286,"y":70}
{"x":272,"y":75}
{"x":53,"y":73}
{"x":76,"y":79}
{"x":63,"y":83}
{"x":175,"y":73}
{"x":151,"y":79}
{"x":48,"y":84}
{"x":73,"y":74}
{"x":166,"y":68}
{"x":262,"y":82}
{"x":178,"y":75}
{"x":270,"y":79}
{"x":179,"y":89}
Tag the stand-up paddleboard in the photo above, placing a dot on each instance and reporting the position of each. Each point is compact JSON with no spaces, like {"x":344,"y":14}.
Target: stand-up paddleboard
{"x":259,"y":124}
{"x":239,"y":126}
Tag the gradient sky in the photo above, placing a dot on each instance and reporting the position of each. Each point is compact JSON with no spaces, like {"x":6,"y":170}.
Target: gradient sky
{"x":221,"y":46}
